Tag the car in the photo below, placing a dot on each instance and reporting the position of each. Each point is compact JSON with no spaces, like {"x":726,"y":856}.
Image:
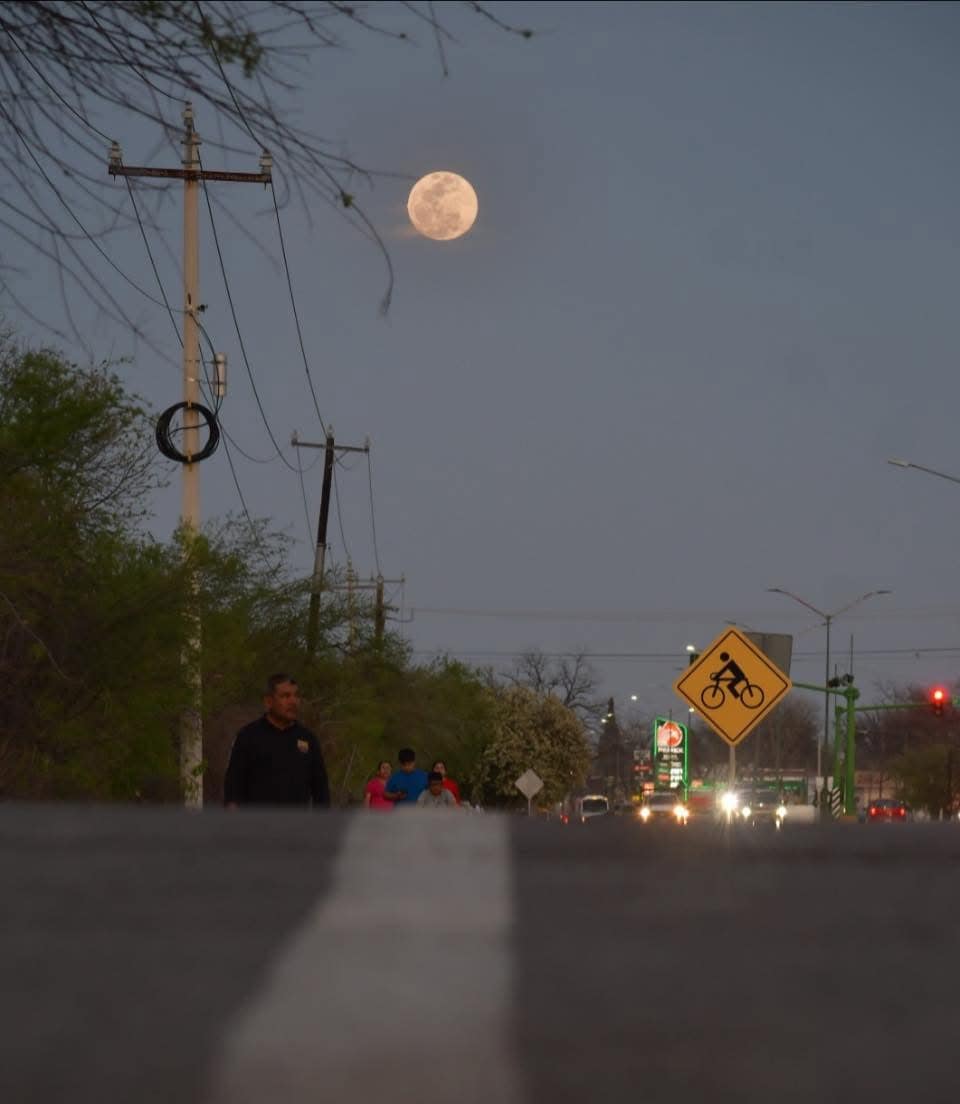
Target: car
{"x":887,"y":810}
{"x":663,"y":808}
{"x":755,"y":807}
{"x":760,"y":807}
{"x":591,"y":806}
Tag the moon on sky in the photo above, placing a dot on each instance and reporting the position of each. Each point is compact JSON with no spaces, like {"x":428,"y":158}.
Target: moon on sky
{"x":442,"y":206}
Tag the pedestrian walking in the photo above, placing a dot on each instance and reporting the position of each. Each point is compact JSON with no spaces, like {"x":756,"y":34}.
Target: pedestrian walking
{"x":373,"y":794}
{"x":448,"y":783}
{"x":275,"y":760}
{"x":408,"y":782}
{"x":435,"y":796}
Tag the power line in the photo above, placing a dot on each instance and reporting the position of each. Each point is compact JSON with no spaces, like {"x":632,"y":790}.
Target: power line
{"x":672,"y":617}
{"x":336,"y":496}
{"x":673,"y":657}
{"x":299,"y":468}
{"x":293,"y":304}
{"x":345,"y":200}
{"x":66,"y":206}
{"x":153,"y":263}
{"x":66,"y":103}
{"x":215,"y":400}
{"x":236,"y":324}
{"x":303,"y":494}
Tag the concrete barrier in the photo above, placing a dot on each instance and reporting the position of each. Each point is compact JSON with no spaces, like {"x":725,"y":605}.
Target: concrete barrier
{"x":801,"y":814}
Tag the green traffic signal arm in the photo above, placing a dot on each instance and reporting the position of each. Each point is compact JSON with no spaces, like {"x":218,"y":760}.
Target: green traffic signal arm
{"x":851,"y":693}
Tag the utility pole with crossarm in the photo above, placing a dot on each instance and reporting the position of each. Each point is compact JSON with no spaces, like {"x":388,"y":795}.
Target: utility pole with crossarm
{"x":192,"y":174}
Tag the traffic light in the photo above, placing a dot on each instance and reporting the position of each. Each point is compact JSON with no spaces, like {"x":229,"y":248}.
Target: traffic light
{"x":938,"y":698}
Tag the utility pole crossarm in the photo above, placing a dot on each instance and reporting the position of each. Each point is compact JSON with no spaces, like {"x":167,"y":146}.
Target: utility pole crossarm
{"x":297,"y":443}
{"x":193,"y":175}
{"x":372,"y":585}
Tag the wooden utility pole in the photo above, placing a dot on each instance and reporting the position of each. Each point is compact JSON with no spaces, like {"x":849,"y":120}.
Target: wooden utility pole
{"x":331,"y":448}
{"x":379,"y":615}
{"x":191,"y":173}
{"x":380,"y":609}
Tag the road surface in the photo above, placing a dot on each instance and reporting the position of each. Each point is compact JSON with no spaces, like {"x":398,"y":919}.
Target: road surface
{"x":152,"y":956}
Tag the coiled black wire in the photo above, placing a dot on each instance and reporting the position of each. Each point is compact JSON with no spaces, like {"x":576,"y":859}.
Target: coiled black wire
{"x":165,"y":441}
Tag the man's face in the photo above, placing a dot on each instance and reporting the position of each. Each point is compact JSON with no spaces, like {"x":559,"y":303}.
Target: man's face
{"x":283,"y":705}
{"x":408,"y":767}
{"x":435,"y":788}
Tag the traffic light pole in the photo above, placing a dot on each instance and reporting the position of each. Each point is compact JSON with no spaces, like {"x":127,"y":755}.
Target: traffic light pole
{"x":838,"y":720}
{"x":851,"y":694}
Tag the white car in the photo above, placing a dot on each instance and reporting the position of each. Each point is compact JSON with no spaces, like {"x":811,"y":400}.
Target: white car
{"x":663,"y":807}
{"x":592,"y":805}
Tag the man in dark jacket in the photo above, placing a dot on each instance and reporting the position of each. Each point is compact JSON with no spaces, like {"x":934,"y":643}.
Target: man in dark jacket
{"x":275,"y":760}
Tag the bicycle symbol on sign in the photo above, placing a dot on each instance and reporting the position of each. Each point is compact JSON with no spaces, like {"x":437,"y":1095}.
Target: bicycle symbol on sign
{"x":714,"y":695}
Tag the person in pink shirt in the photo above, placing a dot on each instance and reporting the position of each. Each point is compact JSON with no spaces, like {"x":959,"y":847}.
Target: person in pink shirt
{"x":373,"y":794}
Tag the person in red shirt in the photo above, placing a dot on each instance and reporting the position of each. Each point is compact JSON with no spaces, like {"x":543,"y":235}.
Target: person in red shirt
{"x":448,"y":783}
{"x":373,"y":794}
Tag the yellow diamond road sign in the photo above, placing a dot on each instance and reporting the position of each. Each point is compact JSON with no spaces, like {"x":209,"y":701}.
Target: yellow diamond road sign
{"x":733,"y":685}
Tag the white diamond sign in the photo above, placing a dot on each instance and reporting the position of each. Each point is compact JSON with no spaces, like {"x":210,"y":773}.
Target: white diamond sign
{"x":529,"y":784}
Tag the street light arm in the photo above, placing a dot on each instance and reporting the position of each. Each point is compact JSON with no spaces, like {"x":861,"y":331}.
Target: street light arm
{"x":857,"y":601}
{"x":897,"y":463}
{"x":797,"y":598}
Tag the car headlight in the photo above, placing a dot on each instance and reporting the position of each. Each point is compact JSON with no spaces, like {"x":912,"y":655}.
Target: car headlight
{"x":680,"y":812}
{"x":745,"y":811}
{"x":781,"y":811}
{"x":729,"y":802}
{"x":644,"y":813}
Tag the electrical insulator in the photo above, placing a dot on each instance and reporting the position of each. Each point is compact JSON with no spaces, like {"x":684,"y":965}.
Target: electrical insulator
{"x":220,"y":375}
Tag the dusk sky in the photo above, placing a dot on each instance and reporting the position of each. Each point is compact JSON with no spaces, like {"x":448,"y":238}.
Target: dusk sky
{"x":711,"y":289}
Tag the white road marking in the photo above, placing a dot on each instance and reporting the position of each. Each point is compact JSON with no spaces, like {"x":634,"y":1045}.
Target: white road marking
{"x":398,"y":986}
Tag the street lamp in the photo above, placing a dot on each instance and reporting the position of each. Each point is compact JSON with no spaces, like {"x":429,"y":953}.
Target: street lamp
{"x":919,"y":467}
{"x":827,"y":619}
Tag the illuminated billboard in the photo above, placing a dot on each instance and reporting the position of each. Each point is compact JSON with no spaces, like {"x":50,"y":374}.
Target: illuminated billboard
{"x":669,"y":754}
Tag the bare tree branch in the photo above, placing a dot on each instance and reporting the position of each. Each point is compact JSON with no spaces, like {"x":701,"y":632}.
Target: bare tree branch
{"x":65,"y":65}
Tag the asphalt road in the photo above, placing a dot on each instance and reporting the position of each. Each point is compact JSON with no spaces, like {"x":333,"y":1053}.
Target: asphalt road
{"x":158,"y":956}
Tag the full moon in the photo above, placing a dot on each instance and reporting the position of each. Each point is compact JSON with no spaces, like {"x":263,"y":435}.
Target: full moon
{"x":442,"y":206}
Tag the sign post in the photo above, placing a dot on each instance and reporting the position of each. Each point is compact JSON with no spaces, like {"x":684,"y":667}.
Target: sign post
{"x":529,"y":784}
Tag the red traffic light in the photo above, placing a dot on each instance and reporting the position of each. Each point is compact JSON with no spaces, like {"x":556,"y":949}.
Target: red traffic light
{"x":938,"y":698}
{"x":938,"y":695}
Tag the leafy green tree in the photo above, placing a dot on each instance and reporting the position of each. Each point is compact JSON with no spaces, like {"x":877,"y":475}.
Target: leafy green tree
{"x":93,"y":621}
{"x":91,"y":610}
{"x":533,"y":732}
{"x":929,"y":778}
{"x":73,"y":474}
{"x":368,"y":705}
